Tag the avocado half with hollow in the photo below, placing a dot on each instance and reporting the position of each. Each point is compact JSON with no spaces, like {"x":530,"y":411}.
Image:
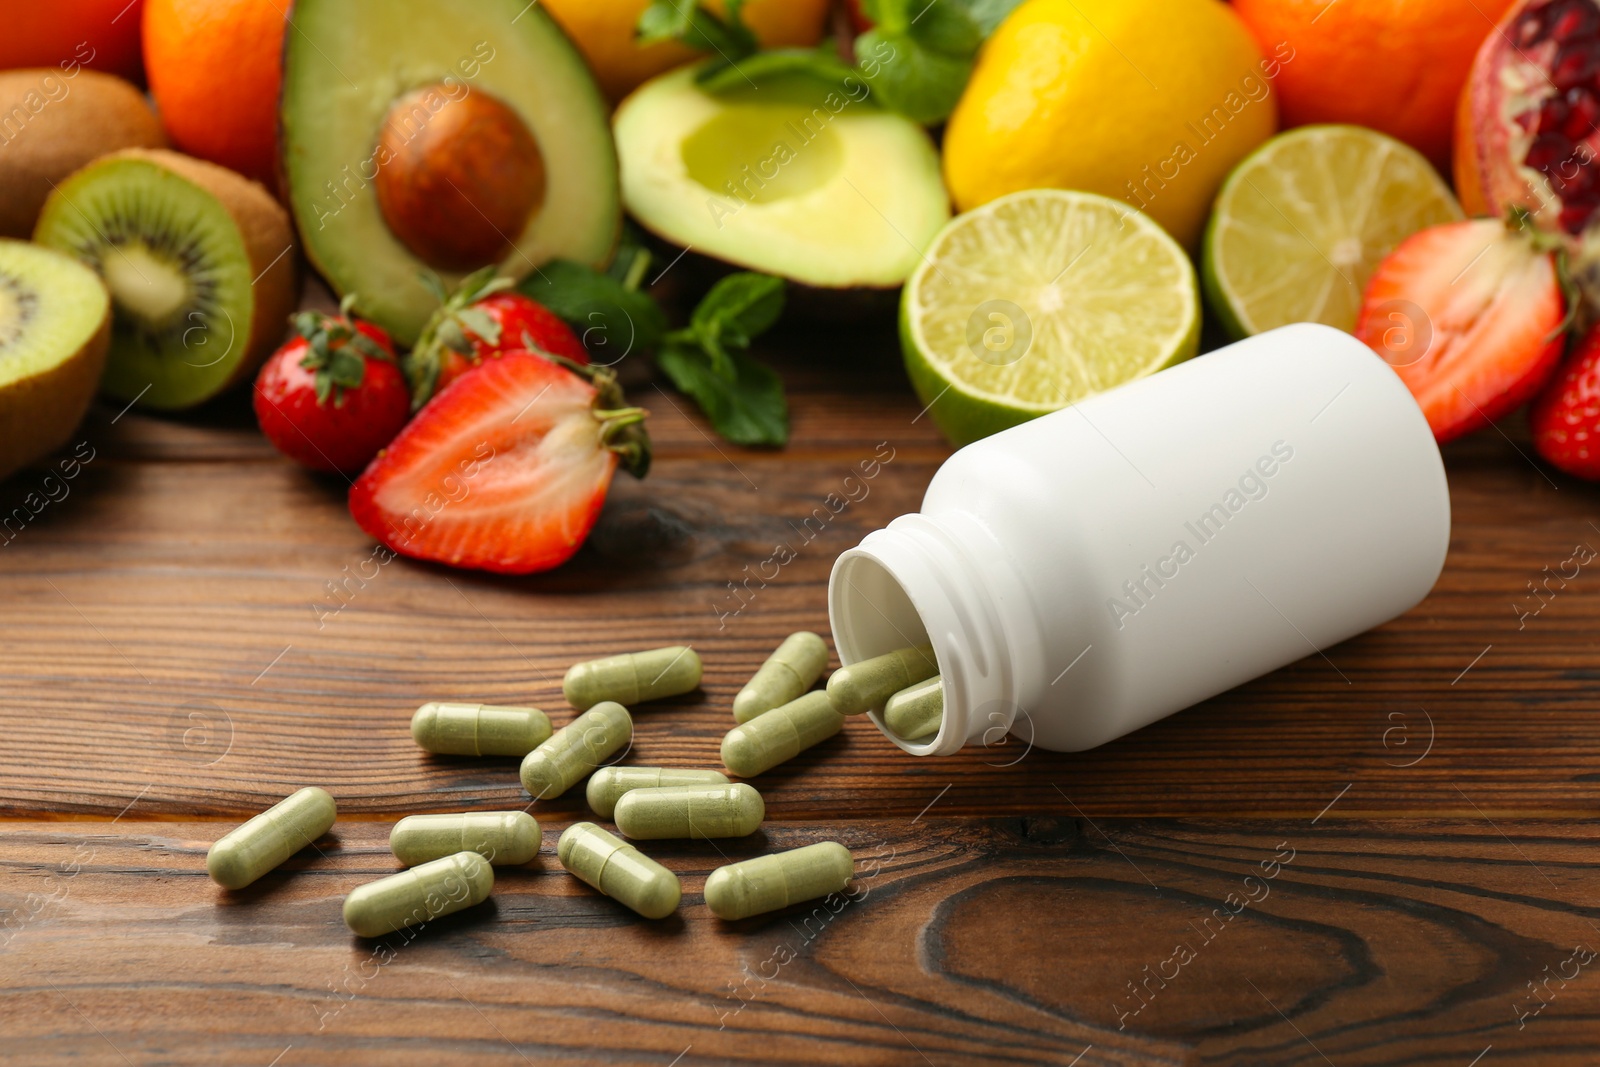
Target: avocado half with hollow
{"x":796,"y":178}
{"x":55,"y":328}
{"x":438,"y":138}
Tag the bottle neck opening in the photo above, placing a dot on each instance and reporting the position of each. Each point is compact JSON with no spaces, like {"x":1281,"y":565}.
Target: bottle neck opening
{"x":916,"y":582}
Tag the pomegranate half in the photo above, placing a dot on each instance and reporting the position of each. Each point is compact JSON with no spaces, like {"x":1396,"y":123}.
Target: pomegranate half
{"x":1528,"y":128}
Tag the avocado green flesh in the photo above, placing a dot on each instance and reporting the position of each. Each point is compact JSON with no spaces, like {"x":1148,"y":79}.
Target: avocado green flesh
{"x":178,"y":271}
{"x":795,"y":178}
{"x":345,"y":63}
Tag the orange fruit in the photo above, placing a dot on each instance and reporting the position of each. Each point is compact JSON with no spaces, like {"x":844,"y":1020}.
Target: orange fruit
{"x":103,"y":34}
{"x":603,"y":32}
{"x":1396,"y":66}
{"x":214,"y":69}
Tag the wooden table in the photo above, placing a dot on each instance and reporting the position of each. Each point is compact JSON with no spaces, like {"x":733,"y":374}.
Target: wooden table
{"x":1382,"y":856}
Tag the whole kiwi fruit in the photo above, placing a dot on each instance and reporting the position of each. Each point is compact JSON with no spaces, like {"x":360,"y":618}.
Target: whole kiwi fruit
{"x":52,"y":123}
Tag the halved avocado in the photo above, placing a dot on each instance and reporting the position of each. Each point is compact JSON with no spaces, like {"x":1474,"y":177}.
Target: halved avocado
{"x":439,"y":136}
{"x":796,"y":178}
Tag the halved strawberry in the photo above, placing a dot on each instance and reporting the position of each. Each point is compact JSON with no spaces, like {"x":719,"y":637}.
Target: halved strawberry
{"x":1470,"y":316}
{"x":505,"y":469}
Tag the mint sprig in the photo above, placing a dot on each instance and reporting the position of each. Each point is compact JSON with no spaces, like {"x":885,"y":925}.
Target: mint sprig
{"x":918,"y":56}
{"x":707,"y":360}
{"x":726,"y":37}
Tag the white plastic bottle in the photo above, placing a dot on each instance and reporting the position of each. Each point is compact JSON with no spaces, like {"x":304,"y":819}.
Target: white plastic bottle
{"x":1096,"y":569}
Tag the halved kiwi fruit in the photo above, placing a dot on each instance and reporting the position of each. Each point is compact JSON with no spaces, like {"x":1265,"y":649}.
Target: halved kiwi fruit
{"x":55,"y":328}
{"x":200,"y":263}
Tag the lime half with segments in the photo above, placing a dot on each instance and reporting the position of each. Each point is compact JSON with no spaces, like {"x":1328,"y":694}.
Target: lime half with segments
{"x":1039,"y":299}
{"x":1302,"y":222}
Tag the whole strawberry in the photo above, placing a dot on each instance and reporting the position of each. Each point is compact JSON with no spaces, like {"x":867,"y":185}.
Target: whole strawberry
{"x":1566,"y":417}
{"x":334,"y":395}
{"x":481,"y":319}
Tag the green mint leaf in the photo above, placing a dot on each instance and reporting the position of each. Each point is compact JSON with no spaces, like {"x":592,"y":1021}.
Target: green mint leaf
{"x":821,"y":64}
{"x":945,"y":27}
{"x":739,"y":307}
{"x":664,"y":20}
{"x":748,"y":409}
{"x":892,"y":15}
{"x":611,"y":318}
{"x":693,"y":25}
{"x":921,"y":83}
{"x":988,"y":14}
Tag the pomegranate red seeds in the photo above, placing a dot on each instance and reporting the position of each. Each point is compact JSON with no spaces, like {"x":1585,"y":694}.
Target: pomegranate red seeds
{"x":1529,"y":126}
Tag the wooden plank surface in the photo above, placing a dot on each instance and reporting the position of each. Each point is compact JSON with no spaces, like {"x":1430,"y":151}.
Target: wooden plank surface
{"x":988,"y":941}
{"x":198,"y":624}
{"x":193,"y":628}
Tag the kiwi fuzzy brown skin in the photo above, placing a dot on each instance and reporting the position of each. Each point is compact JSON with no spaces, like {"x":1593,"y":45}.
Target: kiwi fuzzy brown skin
{"x":52,"y":124}
{"x":268,"y":236}
{"x":40,"y":414}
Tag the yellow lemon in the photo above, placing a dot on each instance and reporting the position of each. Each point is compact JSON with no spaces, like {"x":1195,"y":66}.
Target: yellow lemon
{"x":1148,"y":101}
{"x":603,"y":32}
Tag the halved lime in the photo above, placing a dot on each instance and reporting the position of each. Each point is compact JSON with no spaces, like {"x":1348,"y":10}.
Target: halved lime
{"x":1039,"y":299}
{"x":1300,"y":224}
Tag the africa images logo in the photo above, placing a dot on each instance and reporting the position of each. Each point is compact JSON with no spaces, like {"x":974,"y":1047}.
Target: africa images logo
{"x":1142,"y":588}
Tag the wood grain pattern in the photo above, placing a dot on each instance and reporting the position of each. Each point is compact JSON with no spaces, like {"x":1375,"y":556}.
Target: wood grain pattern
{"x":198,"y":624}
{"x":963,"y":941}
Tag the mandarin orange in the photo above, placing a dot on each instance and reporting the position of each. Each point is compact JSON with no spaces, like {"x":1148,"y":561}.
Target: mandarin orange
{"x":1396,"y":66}
{"x":214,"y":68}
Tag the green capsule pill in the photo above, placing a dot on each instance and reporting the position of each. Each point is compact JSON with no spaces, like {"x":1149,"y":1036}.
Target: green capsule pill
{"x":780,"y":734}
{"x":768,"y":883}
{"x":633,"y":677}
{"x":619,"y":870}
{"x":479,"y":729}
{"x":608,"y":784}
{"x":419,"y":895}
{"x":788,"y":673}
{"x":575,"y":750}
{"x":863,"y":686}
{"x":263,"y":843}
{"x":916,"y":711}
{"x":504,"y":838}
{"x":698,"y":811}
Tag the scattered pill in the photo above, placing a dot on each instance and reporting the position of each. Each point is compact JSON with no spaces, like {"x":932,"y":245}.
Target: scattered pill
{"x":863,"y":686}
{"x":786,"y":674}
{"x":575,"y":750}
{"x":419,"y":895}
{"x":698,"y":811}
{"x":608,"y":784}
{"x":633,"y":677}
{"x":619,"y":870}
{"x":780,"y":734}
{"x":768,"y":883}
{"x":504,"y":838}
{"x":917,"y":710}
{"x":264,"y":842}
{"x":479,"y":729}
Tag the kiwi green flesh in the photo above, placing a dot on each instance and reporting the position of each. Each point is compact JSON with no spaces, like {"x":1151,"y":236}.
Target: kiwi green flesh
{"x":49,"y":309}
{"x":54,"y":331}
{"x":178,"y":271}
{"x":331,"y":118}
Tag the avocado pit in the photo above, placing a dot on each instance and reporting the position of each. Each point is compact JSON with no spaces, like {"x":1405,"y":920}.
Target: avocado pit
{"x":457,"y":183}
